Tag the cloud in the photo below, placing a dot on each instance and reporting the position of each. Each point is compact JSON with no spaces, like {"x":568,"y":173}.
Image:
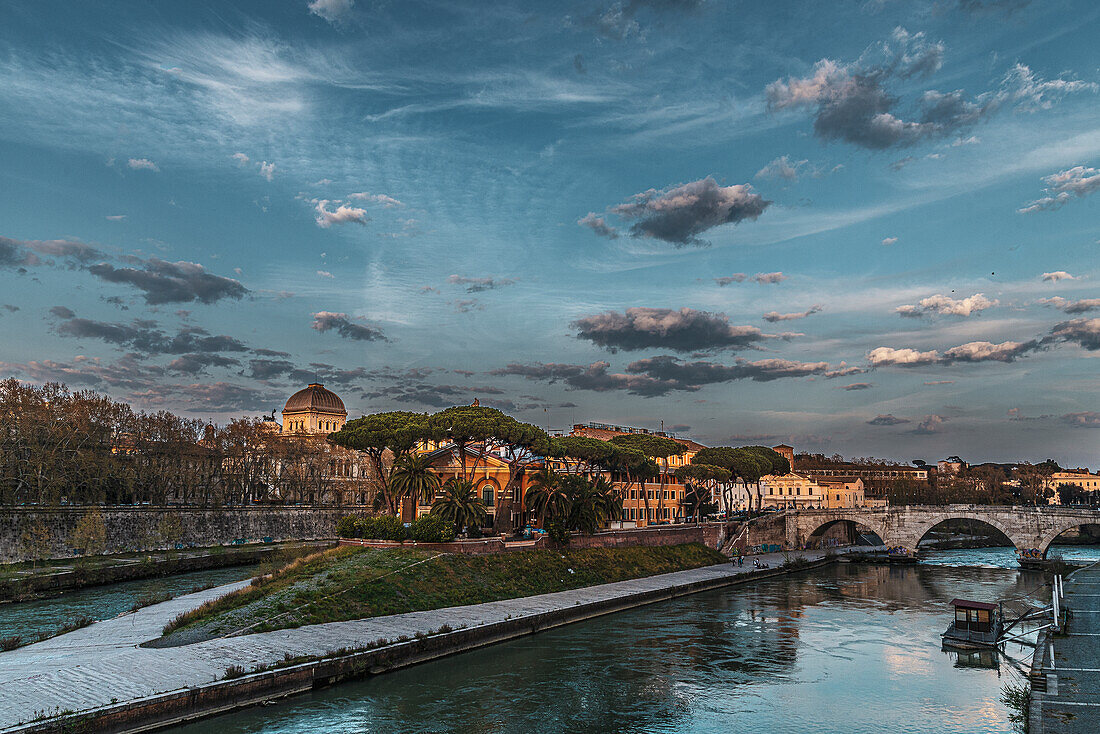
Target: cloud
{"x":334,"y":11}
{"x":773,"y":316}
{"x":851,"y":102}
{"x":193,"y":364}
{"x":857,"y":386}
{"x":145,"y":336}
{"x":1072,"y":307}
{"x":24,"y":253}
{"x":681,"y":330}
{"x":726,"y":280}
{"x":142,"y":164}
{"x":349,"y":328}
{"x":940,"y":382}
{"x":167,"y":282}
{"x":241,"y":158}
{"x":13,"y":255}
{"x":467,"y":305}
{"x":267,"y":170}
{"x":1078,"y":181}
{"x":782,"y":168}
{"x":883,"y":356}
{"x":115,"y":217}
{"x":1085,"y":332}
{"x":128,"y":372}
{"x":887,"y":420}
{"x":618,"y":21}
{"x":844,"y":370}
{"x":325,"y":274}
{"x":931,"y":424}
{"x":598,"y":225}
{"x":947,"y":306}
{"x":343,"y":214}
{"x":1087,"y":419}
{"x":769,"y":278}
{"x":478,"y":285}
{"x":678,"y":215}
{"x":383,"y":200}
{"x":889,"y":241}
{"x":1058,"y":275}
{"x":977,"y":351}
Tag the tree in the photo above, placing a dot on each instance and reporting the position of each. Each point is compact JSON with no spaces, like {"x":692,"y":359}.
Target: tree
{"x":546,"y":496}
{"x":657,"y":448}
{"x":702,"y":476}
{"x":412,"y":476}
{"x":457,"y":502}
{"x":385,"y":438}
{"x":36,"y":542}
{"x":582,"y":454}
{"x":769,"y":462}
{"x":483,"y":432}
{"x":591,"y":504}
{"x":90,"y":534}
{"x":170,"y":530}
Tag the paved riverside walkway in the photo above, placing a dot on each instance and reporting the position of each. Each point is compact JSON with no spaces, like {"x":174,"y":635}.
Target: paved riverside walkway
{"x":103,"y":663}
{"x":1070,"y":664}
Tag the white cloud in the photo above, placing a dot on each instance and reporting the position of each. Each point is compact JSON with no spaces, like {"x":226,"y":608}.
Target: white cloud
{"x":325,"y":274}
{"x":142,"y":164}
{"x":889,"y":240}
{"x":267,"y":170}
{"x":241,"y":158}
{"x":947,"y":306}
{"x":1078,"y":181}
{"x":116,"y":217}
{"x":1058,"y":275}
{"x":343,"y":214}
{"x":782,"y":168}
{"x":882,"y":356}
{"x":334,"y":11}
{"x":769,"y":278}
{"x":387,"y":201}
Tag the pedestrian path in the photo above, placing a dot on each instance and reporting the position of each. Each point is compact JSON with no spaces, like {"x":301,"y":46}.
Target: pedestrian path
{"x":104,"y":664}
{"x":1069,"y":664}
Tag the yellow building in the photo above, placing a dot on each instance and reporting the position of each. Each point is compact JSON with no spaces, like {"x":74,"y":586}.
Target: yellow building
{"x":798,"y":491}
{"x":1083,"y":480}
{"x":314,"y":410}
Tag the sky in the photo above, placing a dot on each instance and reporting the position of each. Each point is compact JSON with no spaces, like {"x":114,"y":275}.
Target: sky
{"x":866,"y":227}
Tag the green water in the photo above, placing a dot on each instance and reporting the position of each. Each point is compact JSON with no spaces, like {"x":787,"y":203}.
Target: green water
{"x":103,"y":602}
{"x":847,"y":649}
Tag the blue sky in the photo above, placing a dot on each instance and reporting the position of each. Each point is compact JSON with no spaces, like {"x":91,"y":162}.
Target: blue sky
{"x":865,"y":227}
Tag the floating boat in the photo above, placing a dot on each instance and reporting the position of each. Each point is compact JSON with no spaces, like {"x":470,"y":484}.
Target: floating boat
{"x":977,"y":624}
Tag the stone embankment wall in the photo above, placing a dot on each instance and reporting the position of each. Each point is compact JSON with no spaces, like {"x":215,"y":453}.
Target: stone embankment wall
{"x":709,"y":534}
{"x":137,"y":528}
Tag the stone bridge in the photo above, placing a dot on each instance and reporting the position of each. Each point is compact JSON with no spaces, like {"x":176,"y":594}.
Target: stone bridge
{"x":1030,"y":529}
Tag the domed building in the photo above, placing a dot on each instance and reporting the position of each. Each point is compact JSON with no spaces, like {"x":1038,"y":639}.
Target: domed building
{"x":314,"y":410}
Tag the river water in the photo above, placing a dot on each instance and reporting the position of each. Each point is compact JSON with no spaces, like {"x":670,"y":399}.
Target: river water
{"x":845,"y":649}
{"x":25,"y":619}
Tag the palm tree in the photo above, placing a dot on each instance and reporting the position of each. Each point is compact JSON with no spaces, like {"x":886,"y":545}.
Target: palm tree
{"x":592,"y":504}
{"x":458,"y":502}
{"x":546,"y":496}
{"x":413,"y":477}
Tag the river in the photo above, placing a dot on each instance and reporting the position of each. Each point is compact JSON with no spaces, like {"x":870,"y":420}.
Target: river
{"x":25,"y":619}
{"x":845,"y":649}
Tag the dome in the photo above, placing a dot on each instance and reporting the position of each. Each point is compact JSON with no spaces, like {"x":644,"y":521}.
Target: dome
{"x":315,"y":398}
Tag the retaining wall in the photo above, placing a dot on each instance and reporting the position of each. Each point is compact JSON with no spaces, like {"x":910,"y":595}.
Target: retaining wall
{"x":136,"y":528}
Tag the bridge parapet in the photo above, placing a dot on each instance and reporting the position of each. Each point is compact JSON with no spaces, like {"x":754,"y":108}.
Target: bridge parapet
{"x":901,"y":527}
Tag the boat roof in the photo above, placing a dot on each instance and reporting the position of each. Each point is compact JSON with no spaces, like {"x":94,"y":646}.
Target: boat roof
{"x":972,"y":604}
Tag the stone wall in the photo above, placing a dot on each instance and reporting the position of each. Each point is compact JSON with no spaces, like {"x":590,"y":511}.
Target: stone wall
{"x":135,"y":528}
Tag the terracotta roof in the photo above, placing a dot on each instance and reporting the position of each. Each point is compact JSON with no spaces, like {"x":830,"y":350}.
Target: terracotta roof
{"x":604,"y":434}
{"x":315,"y":398}
{"x":836,"y":480}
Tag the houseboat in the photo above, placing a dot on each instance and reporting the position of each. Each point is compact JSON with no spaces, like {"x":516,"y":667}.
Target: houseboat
{"x":977,"y":624}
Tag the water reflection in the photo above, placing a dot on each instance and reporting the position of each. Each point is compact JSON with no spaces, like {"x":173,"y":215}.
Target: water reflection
{"x":846,"y":649}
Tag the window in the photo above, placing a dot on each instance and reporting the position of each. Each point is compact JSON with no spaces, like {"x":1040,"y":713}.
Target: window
{"x":487,"y":497}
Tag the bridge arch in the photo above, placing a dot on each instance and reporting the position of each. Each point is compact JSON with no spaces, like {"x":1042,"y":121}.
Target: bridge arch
{"x":819,"y":524}
{"x":1060,"y":526}
{"x":983,"y":518}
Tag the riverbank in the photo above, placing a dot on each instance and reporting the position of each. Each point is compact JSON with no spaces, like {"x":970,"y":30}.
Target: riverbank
{"x":22,"y":581}
{"x":357,"y":583}
{"x":98,"y":677}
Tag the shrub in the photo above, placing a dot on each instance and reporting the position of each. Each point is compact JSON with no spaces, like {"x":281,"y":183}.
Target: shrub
{"x":347,"y":527}
{"x":557,"y":533}
{"x":388,"y":528}
{"x":365,"y":527}
{"x":432,"y":529}
{"x":233,"y":671}
{"x":10,"y":643}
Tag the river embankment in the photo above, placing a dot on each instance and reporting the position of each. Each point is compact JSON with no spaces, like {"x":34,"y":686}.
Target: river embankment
{"x":25,"y":581}
{"x":79,"y":679}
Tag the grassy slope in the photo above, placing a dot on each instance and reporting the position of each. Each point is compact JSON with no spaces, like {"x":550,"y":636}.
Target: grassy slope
{"x":354,"y":583}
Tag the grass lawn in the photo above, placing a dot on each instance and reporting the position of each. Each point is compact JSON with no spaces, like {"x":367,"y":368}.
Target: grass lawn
{"x":355,"y":583}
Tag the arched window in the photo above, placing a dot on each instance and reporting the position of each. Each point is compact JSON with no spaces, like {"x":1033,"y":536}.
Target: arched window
{"x":488,"y":494}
